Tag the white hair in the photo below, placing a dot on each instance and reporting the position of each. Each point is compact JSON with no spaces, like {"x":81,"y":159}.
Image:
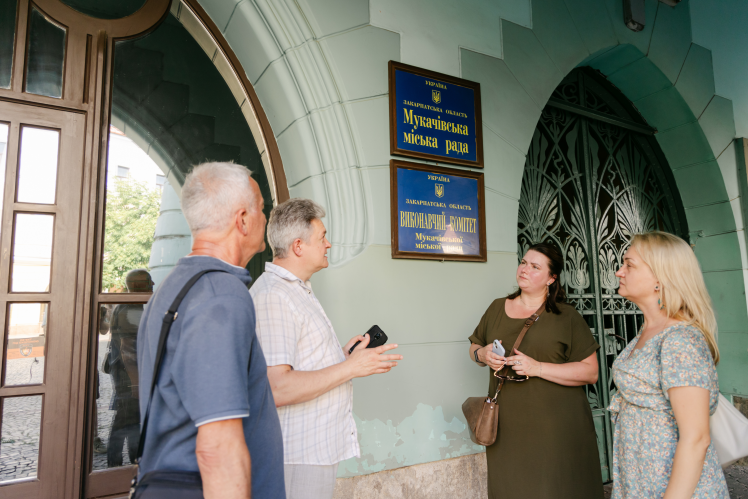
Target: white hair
{"x":289,"y":221}
{"x":212,"y":194}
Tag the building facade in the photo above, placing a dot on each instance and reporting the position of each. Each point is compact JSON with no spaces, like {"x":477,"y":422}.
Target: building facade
{"x":591,"y":132}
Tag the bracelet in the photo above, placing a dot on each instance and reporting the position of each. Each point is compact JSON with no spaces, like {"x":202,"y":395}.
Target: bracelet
{"x":475,"y":354}
{"x":540,"y":375}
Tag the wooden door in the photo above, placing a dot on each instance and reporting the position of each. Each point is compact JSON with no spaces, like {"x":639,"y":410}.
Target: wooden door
{"x":56,"y":81}
{"x":38,"y":272}
{"x":53,"y":107}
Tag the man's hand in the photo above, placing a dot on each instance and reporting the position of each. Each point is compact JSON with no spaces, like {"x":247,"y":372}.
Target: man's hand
{"x":367,"y":361}
{"x":352,"y":342}
{"x":295,"y":387}
{"x":223,"y":459}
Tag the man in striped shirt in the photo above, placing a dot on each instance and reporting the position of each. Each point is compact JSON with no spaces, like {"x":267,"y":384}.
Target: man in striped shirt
{"x":310,"y":373}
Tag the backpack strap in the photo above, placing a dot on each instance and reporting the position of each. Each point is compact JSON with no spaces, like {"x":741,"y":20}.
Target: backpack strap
{"x":169,"y":317}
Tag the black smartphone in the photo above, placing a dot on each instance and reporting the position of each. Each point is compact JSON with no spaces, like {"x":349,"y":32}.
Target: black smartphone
{"x":377,"y":338}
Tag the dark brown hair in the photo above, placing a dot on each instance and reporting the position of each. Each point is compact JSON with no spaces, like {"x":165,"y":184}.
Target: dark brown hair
{"x":555,"y":265}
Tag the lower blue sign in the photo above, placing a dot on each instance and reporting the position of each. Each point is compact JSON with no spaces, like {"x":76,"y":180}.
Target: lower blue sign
{"x":437,"y":213}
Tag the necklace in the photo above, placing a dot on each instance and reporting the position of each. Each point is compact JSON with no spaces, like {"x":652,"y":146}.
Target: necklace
{"x":529,"y":306}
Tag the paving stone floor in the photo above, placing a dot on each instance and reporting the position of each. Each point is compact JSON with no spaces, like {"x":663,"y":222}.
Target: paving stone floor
{"x":19,"y":444}
{"x":19,"y":435}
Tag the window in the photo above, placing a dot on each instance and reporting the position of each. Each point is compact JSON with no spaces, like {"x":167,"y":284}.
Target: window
{"x":123,"y":172}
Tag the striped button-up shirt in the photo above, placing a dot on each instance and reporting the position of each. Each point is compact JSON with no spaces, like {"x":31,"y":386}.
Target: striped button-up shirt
{"x":294,"y":330}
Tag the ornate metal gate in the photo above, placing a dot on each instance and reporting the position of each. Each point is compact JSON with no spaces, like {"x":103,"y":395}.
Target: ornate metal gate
{"x":595,"y":176}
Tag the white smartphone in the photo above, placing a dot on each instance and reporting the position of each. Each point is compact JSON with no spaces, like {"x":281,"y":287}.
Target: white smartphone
{"x":498,"y":349}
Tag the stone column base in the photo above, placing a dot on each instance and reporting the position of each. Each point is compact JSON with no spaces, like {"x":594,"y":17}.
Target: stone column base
{"x":458,"y":478}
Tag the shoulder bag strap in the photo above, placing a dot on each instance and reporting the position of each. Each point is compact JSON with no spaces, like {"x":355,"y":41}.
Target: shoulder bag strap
{"x":169,"y":317}
{"x":528,"y":322}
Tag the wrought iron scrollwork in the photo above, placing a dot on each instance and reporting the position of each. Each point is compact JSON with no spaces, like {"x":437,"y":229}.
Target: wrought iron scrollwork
{"x":576,"y":168}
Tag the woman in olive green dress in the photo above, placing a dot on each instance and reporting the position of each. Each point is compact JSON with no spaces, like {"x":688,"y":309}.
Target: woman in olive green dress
{"x":546,"y":446}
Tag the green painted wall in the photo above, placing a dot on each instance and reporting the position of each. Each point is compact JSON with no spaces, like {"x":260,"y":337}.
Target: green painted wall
{"x":319,"y":68}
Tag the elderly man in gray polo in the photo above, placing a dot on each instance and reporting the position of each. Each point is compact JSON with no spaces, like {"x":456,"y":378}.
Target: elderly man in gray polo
{"x":310,"y":373}
{"x":212,"y":410}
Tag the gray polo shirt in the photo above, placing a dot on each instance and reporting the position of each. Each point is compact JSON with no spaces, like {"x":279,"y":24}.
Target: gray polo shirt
{"x":214,"y":369}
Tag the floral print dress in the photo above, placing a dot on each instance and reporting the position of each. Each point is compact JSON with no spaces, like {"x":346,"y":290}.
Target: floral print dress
{"x":646,"y":433}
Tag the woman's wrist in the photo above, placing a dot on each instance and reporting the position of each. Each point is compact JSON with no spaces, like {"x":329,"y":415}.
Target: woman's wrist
{"x":540,"y":370}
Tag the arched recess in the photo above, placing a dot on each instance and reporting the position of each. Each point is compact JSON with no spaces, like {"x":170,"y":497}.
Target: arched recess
{"x":594,"y":177}
{"x":670,"y":80}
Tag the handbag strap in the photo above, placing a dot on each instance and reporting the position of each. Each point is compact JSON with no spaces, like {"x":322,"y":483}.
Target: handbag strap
{"x":528,"y":323}
{"x":169,"y":317}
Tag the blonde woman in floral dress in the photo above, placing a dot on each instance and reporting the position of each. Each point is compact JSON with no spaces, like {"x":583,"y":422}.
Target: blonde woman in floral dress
{"x":666,"y":378}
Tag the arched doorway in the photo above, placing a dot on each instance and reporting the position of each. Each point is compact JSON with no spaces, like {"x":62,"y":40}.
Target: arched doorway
{"x":594,"y":176}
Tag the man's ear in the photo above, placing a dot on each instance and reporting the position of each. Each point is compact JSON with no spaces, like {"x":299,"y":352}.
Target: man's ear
{"x":241,"y":221}
{"x":296,"y":247}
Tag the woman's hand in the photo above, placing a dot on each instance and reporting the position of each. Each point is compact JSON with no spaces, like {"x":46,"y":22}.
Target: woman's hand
{"x":524,"y":365}
{"x":486,"y":355}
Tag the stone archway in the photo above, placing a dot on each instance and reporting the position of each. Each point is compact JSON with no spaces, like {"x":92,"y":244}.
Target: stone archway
{"x":669,"y":79}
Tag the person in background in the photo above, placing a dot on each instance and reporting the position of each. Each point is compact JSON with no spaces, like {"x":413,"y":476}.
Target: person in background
{"x":666,"y":377}
{"x":122,"y":365}
{"x":213,"y":410}
{"x":546,"y":447}
{"x":310,"y":373}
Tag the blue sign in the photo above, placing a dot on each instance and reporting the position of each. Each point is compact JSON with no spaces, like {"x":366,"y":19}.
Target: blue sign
{"x":435,"y":119}
{"x":437,"y":213}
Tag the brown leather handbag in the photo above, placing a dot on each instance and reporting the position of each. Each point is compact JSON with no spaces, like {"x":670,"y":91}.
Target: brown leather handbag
{"x":482,"y":414}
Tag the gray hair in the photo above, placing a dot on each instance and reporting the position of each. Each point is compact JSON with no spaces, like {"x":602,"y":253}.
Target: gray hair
{"x":289,"y":221}
{"x":212,"y":194}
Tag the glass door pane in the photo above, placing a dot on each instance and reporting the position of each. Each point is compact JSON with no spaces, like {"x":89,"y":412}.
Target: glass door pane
{"x":171,"y":110}
{"x":37,"y":165}
{"x":4,"y":130}
{"x":46,"y":55}
{"x":32,"y":253}
{"x":7,"y":39}
{"x":117,"y":428}
{"x":24,"y":344}
{"x":19,"y":437}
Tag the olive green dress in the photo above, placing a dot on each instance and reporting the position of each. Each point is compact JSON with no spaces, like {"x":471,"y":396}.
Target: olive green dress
{"x":546,"y":446}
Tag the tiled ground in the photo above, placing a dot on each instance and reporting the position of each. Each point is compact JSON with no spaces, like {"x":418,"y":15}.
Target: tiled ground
{"x":19,"y":436}
{"x":19,"y":447}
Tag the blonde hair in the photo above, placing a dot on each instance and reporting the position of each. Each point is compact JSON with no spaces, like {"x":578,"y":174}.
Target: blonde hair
{"x":683,"y":293}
